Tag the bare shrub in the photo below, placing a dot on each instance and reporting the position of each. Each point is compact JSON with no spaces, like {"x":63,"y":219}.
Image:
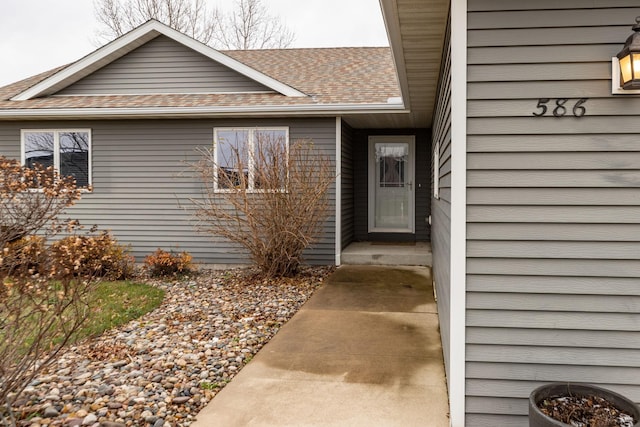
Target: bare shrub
{"x":163,"y":264}
{"x":31,"y":198}
{"x":42,"y":303}
{"x":273,"y":201}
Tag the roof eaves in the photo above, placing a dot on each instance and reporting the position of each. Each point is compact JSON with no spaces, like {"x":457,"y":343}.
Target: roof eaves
{"x":392,"y":23}
{"x":133,"y":39}
{"x":188,"y":112}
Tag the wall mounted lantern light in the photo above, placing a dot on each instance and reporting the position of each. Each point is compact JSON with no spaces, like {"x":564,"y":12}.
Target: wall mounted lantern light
{"x":628,"y":60}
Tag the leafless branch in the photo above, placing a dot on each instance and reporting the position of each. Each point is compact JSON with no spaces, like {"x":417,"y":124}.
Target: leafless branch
{"x":275,"y":210}
{"x":248,"y":26}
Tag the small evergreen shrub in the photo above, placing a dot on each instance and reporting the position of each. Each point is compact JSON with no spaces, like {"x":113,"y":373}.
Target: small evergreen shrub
{"x":162,"y":263}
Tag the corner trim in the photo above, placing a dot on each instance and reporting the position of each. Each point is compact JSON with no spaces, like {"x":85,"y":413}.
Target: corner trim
{"x":458,"y":269}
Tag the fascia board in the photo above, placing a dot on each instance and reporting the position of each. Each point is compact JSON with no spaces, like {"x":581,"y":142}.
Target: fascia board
{"x":392,"y":24}
{"x":230,"y":62}
{"x":92,"y":62}
{"x":187,"y":112}
{"x":133,"y":39}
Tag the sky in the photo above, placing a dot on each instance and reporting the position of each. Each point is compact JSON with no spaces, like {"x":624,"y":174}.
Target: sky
{"x":38,"y":35}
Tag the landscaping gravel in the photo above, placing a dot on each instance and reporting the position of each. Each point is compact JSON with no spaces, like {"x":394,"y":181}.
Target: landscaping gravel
{"x":163,"y":368}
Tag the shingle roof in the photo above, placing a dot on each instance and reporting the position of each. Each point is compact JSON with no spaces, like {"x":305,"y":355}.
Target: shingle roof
{"x":328,"y":76}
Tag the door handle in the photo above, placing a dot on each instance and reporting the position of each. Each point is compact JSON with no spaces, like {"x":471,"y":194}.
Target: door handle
{"x":410,"y":184}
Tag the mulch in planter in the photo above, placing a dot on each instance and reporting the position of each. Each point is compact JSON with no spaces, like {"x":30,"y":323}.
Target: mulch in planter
{"x":585,"y":411}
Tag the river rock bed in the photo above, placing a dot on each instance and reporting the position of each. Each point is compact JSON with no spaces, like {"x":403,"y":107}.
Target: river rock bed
{"x":163,"y":368}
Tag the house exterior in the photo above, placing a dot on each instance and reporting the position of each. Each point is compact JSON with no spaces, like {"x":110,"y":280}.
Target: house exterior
{"x":143,"y":104}
{"x":535,"y":223}
{"x":506,"y":121}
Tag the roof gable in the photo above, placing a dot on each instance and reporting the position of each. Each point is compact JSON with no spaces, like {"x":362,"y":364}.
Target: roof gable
{"x":162,"y":65}
{"x":131,"y":41}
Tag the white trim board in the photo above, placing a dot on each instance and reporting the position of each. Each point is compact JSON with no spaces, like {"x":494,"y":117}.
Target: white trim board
{"x":130,"y":41}
{"x":458,"y":269}
{"x":207,"y":111}
{"x":392,"y":21}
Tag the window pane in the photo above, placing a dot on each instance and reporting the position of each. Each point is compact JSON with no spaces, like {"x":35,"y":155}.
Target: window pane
{"x":270,"y":156}
{"x":392,"y":161}
{"x":74,"y":156}
{"x":232,"y":158}
{"x":38,"y":148}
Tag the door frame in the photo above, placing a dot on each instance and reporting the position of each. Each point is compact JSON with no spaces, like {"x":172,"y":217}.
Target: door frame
{"x":371,"y":178}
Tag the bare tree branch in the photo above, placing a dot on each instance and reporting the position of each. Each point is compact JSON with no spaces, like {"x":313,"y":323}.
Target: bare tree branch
{"x":191,"y":17}
{"x":274,"y":207}
{"x":248,"y":26}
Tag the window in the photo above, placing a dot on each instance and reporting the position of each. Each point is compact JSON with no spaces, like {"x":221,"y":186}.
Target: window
{"x":68,"y":151}
{"x":251,"y":158}
{"x":392,"y":161}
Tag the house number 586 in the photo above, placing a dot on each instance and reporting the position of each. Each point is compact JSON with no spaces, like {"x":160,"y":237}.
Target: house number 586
{"x":560,"y":109}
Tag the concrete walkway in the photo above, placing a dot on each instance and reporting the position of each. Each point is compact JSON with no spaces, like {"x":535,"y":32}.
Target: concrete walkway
{"x":364,"y":350}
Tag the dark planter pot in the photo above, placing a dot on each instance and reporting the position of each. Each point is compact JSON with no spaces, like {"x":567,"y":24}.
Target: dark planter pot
{"x":538,"y":419}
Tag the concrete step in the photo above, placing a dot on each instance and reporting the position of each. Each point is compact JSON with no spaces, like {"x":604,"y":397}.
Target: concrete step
{"x":369,"y":253}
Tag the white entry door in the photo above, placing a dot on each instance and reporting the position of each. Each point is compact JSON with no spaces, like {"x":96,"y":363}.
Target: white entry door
{"x":391,"y":189}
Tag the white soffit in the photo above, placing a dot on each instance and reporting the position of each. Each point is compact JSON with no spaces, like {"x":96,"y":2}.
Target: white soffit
{"x":132,"y":40}
{"x":416,"y":33}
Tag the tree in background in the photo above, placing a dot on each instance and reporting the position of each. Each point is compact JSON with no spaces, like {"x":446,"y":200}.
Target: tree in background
{"x":248,"y":26}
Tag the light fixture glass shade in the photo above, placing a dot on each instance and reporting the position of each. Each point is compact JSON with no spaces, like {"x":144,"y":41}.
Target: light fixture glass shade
{"x":629,"y":60}
{"x":626,"y":71}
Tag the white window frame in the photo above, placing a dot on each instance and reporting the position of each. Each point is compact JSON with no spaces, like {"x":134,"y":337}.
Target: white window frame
{"x":251,"y":158}
{"x":56,"y":149}
{"x":436,"y":171}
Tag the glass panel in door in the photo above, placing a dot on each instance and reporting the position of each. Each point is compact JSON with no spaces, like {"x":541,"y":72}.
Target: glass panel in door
{"x":392,"y":186}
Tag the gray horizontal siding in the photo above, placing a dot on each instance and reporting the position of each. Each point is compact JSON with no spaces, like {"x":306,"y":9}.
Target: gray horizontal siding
{"x":534,"y":54}
{"x":530,"y":143}
{"x":555,"y":214}
{"x":543,"y":36}
{"x":567,"y":356}
{"x":569,"y":16}
{"x":557,"y":267}
{"x":558,"y":338}
{"x":552,"y":284}
{"x":142,"y":181}
{"x":163,"y":66}
{"x":441,"y":207}
{"x":525,"y":107}
{"x":347,"y":190}
{"x":560,"y":302}
{"x":557,"y":196}
{"x":501,"y":5}
{"x":552,"y":249}
{"x":553,"y":233}
{"x":556,"y":161}
{"x":423,"y":184}
{"x":515,"y":371}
